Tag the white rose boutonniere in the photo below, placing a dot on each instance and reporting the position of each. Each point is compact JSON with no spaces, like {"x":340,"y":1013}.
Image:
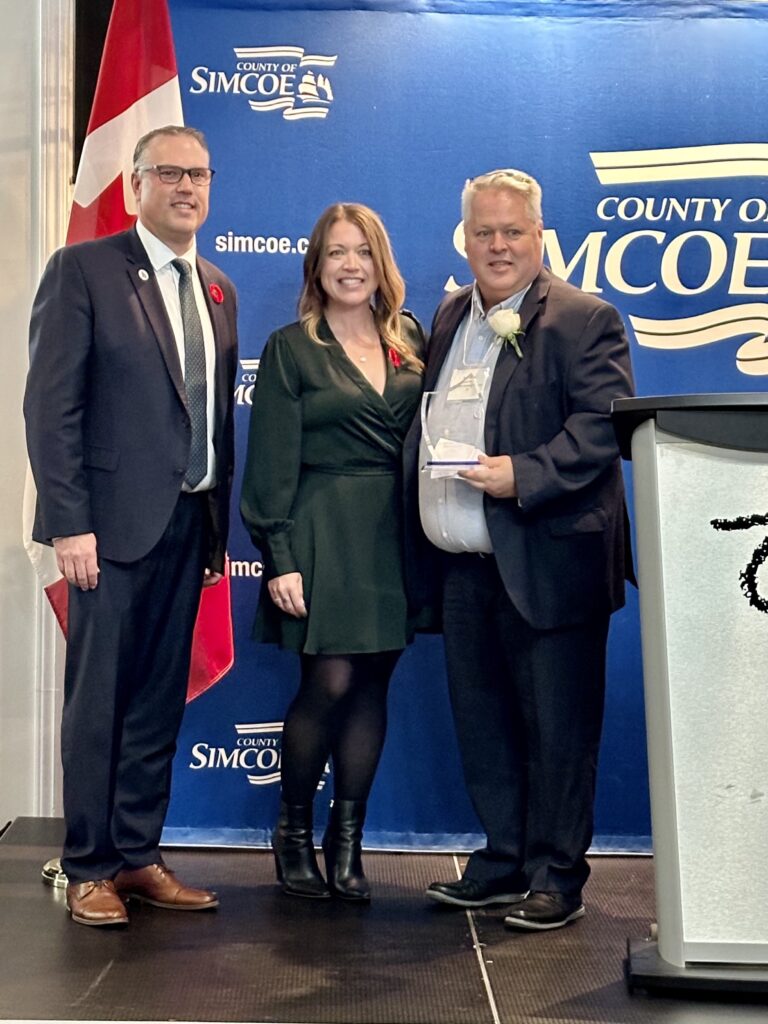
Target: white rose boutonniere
{"x":505,"y":323}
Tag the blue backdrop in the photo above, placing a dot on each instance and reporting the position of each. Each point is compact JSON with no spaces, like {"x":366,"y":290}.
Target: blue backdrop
{"x":643,"y":122}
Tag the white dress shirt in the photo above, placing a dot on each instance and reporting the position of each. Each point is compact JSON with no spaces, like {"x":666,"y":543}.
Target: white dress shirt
{"x":161,"y":258}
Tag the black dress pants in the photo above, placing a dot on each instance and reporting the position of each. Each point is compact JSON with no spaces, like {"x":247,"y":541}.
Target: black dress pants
{"x":528,"y":707}
{"x":125,"y":684}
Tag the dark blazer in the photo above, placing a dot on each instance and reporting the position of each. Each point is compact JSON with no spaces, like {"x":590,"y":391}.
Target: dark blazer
{"x":561,"y":545}
{"x":108,"y":430}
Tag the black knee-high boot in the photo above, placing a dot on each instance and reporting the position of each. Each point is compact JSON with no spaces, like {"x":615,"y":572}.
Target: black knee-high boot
{"x":342,"y":848}
{"x":295,"y":853}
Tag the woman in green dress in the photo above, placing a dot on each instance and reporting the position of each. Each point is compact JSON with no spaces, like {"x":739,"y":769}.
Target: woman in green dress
{"x":335,"y":395}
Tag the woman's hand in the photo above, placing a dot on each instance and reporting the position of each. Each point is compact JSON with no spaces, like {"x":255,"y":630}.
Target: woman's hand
{"x":287,"y":592}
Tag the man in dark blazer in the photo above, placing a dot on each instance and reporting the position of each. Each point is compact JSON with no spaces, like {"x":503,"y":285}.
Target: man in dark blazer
{"x":129,"y":411}
{"x":530,"y":543}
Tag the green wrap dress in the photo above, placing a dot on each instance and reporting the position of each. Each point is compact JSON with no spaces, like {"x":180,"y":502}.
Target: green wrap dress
{"x":322,"y":492}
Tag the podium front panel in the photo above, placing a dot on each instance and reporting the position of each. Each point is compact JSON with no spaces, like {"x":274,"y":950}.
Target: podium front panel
{"x":704,"y":568}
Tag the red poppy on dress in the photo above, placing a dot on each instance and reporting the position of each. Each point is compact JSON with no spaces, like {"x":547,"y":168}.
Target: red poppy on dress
{"x":216,"y":293}
{"x":394,"y":357}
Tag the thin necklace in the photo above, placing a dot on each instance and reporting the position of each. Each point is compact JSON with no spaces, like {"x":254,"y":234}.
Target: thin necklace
{"x":360,"y":357}
{"x":349,"y":343}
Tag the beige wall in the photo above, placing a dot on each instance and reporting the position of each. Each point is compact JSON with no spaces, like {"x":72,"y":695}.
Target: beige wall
{"x":35,"y":56}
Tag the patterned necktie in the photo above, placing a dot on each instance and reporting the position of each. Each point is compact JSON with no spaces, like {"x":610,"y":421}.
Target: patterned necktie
{"x":194,"y":377}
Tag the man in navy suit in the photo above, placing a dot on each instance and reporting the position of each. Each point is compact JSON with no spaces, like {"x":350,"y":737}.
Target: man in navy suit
{"x":521,"y":371}
{"x":129,"y":411}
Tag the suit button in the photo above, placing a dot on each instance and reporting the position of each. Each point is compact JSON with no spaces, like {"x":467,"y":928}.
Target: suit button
{"x":178,"y":472}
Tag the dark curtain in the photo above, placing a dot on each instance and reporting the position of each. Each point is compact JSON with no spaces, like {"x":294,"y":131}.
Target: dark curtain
{"x":91,"y":20}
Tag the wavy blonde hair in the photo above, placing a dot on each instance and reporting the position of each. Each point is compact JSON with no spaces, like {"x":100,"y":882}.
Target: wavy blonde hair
{"x":390,"y":294}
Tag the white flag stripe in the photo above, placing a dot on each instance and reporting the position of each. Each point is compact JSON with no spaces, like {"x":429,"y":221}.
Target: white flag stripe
{"x":270,"y":104}
{"x":685,"y":325}
{"x":727,"y":160}
{"x":706,"y":337}
{"x":325,"y":62}
{"x":268,"y":51}
{"x":708,"y":328}
{"x":752,"y":357}
{"x":681,"y":155}
{"x":264,"y":780}
{"x":263,"y":52}
{"x":104,"y":155}
{"x":247,"y":730}
{"x":684,"y":172}
{"x":297,"y":115}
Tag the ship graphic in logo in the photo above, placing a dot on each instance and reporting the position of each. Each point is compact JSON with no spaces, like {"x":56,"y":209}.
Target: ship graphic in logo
{"x":315,"y":90}
{"x":313,"y":96}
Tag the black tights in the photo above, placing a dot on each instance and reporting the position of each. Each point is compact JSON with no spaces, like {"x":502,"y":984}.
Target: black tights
{"x":340,"y":711}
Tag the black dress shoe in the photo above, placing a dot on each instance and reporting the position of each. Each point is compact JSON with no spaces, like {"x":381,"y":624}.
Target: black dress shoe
{"x":469,"y":892}
{"x":542,"y":911}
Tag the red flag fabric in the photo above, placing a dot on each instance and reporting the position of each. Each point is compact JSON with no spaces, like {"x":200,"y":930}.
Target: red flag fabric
{"x":137,"y":90}
{"x":213,"y":646}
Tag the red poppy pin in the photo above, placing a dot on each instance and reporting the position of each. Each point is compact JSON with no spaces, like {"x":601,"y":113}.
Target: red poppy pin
{"x":216,"y":293}
{"x":394,"y":357}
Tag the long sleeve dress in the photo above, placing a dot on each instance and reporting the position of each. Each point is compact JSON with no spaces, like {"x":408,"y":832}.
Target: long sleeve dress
{"x":322,"y":492}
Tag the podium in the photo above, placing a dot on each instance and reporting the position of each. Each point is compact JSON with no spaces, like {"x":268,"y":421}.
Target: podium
{"x":700,"y":472}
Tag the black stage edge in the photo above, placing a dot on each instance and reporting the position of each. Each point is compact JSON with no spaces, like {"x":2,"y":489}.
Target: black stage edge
{"x":264,"y":957}
{"x":648,"y":971}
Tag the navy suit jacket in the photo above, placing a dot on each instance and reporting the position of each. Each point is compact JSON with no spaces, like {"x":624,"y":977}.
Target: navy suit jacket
{"x":562,"y":545}
{"x":108,"y":430}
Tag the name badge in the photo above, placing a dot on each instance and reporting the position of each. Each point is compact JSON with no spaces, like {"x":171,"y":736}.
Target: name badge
{"x":467,"y":384}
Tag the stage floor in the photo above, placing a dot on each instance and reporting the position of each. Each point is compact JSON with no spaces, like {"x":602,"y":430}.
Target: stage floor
{"x":263,"y":957}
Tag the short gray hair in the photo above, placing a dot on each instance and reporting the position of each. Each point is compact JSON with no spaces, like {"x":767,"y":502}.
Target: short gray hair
{"x":169,"y":129}
{"x":509,"y":178}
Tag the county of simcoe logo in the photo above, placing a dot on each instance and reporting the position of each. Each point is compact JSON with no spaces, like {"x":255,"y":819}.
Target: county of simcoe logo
{"x":701,"y":163}
{"x":256,"y":751}
{"x":274,"y":78}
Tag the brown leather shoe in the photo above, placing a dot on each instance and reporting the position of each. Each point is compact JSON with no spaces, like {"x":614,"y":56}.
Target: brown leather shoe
{"x":157,"y":884}
{"x":96,"y":903}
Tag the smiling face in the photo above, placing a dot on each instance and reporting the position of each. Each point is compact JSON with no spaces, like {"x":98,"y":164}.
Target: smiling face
{"x":347,"y":274}
{"x":172,"y":212}
{"x":503,"y":243}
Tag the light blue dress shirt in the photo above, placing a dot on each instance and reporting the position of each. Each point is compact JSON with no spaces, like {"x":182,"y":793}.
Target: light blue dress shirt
{"x":452,"y":513}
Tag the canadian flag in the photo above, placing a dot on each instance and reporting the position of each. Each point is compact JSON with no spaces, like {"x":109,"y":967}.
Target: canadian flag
{"x":137,"y":90}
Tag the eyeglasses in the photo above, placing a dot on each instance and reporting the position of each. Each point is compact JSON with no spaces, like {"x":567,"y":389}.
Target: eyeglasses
{"x":169,"y":174}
